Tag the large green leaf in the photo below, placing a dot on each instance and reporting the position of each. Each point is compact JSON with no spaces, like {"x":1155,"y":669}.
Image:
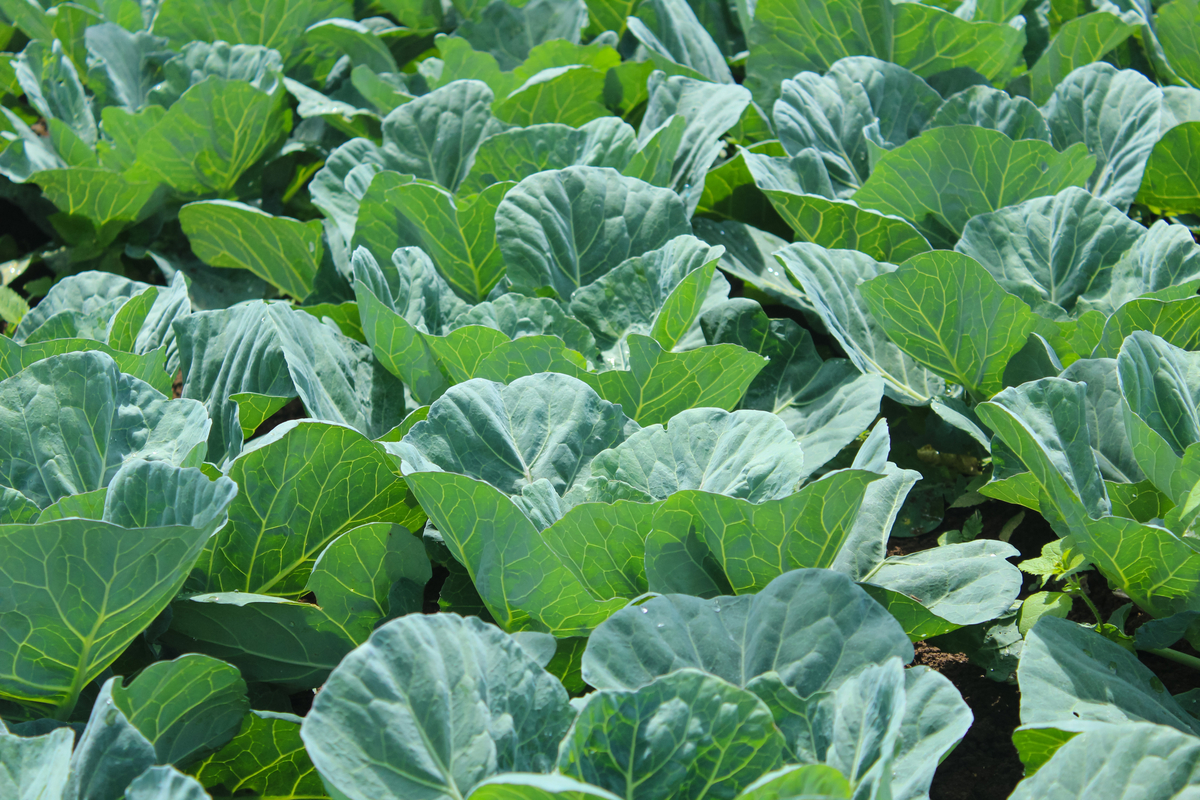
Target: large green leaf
{"x":1169,"y":184}
{"x":461,"y":61}
{"x":510,"y":32}
{"x":52,"y":84}
{"x":929,"y":40}
{"x":708,"y":112}
{"x":634,"y":742}
{"x":435,"y":136}
{"x":833,"y":113}
{"x":1070,"y":676}
{"x":532,"y":786}
{"x":671,"y":28}
{"x":811,"y":628}
{"x":125,"y":325}
{"x":935,"y":719}
{"x":107,"y":200}
{"x":657,"y":294}
{"x":658,"y":385}
{"x":71,"y":421}
{"x":1106,"y":419}
{"x":800,"y":191}
{"x":210,"y":138}
{"x":517,"y":154}
{"x":266,"y":757}
{"x":374,"y":572}
{"x":563,"y":229}
{"x":1015,"y":117}
{"x":363,"y":42}
{"x":788,"y":37}
{"x":604,"y":546}
{"x":82,"y":305}
{"x":855,"y":728}
{"x":520,"y":316}
{"x":744,"y":546}
{"x":68,"y":615}
{"x":431,"y":706}
{"x":459,"y":235}
{"x":542,"y":427}
{"x":1045,"y":423}
{"x":744,"y":454}
{"x":529,"y":355}
{"x":811,"y":780}
{"x":885,"y":728}
{"x":941,"y":179}
{"x":151,"y":494}
{"x":229,"y":352}
{"x":830,"y":279}
{"x":111,"y":752}
{"x":401,"y":301}
{"x":279,"y":24}
{"x":288,"y":644}
{"x":336,"y":377}
{"x":571,"y":95}
{"x":165,"y":783}
{"x":301,"y":486}
{"x":964,"y":584}
{"x":1160,"y":385}
{"x":149,"y":367}
{"x":1176,"y":27}
{"x":1157,"y":569}
{"x":187,"y":708}
{"x":35,"y":766}
{"x":427,"y":364}
{"x":522,"y":581}
{"x":1052,"y":250}
{"x":946,"y":312}
{"x":1117,"y":115}
{"x":1172,"y":320}
{"x":261,"y":67}
{"x":1081,"y":41}
{"x":1134,"y":761}
{"x":825,"y":403}
{"x":284,"y":252}
{"x":1164,"y":260}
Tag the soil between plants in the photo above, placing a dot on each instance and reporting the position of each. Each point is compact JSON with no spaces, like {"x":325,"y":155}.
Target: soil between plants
{"x":984,"y":765}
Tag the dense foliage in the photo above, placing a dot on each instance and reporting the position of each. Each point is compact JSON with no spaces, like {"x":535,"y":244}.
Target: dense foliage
{"x":629,"y":335}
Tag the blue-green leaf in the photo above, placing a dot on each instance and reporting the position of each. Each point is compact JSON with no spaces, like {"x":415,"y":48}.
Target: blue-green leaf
{"x":563,"y":229}
{"x":941,"y":179}
{"x":114,"y":418}
{"x":630,"y":742}
{"x":429,"y":707}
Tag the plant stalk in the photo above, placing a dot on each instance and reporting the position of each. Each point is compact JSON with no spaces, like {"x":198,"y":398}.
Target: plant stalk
{"x":1177,"y":657}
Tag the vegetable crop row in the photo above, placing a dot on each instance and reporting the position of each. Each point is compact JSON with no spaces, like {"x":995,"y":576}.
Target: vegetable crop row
{"x":593,"y":399}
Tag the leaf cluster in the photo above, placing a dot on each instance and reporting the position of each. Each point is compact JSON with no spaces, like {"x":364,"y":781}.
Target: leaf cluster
{"x":625,"y":335}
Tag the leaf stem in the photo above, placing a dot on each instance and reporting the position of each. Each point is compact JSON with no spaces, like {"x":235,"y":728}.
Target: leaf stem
{"x":1077,"y":585}
{"x":1176,"y":656}
{"x":64,"y":711}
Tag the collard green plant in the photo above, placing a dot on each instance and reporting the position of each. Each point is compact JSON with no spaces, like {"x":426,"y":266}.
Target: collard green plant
{"x":563,"y":391}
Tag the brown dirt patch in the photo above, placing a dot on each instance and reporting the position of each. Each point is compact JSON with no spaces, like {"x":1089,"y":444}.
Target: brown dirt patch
{"x":985,"y":765}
